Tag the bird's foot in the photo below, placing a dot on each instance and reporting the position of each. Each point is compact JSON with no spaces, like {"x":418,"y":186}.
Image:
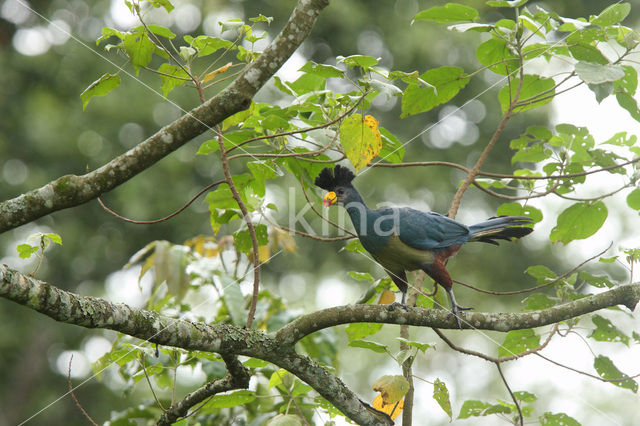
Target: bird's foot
{"x":399,"y":305}
{"x":455,"y":310}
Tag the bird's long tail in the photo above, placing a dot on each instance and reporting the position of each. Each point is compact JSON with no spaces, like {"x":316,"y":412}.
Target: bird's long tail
{"x":500,"y":228}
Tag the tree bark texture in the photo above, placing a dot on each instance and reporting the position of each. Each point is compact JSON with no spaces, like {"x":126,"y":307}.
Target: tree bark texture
{"x":279,"y":347}
{"x":72,"y":190}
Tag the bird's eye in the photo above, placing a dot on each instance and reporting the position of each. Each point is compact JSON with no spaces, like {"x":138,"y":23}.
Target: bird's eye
{"x":340,"y":191}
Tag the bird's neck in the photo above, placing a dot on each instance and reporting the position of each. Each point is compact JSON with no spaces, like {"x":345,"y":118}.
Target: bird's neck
{"x":357,"y":210}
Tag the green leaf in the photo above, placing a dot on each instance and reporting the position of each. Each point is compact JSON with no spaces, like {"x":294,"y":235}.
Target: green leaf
{"x":495,"y":54}
{"x":532,"y":86}
{"x":518,"y":341}
{"x":262,"y":18}
{"x":308,"y":83}
{"x":633,"y":199}
{"x":139,"y":48}
{"x":608,"y":371}
{"x":25,"y":250}
{"x":611,"y":15}
{"x":366,"y":344}
{"x":100,"y":87}
{"x":109,"y":32}
{"x":605,"y":331}
{"x":206,"y":45}
{"x":281,"y":378}
{"x":360,"y":139}
{"x":446,"y":82}
{"x":473,"y":408}
{"x":462,"y":28}
{"x":541,"y":273}
{"x":157,"y":30}
{"x":392,"y":149}
{"x":515,"y":209}
{"x":587,"y":53}
{"x":361,"y":276}
{"x":162,"y":3}
{"x":255,"y":363}
{"x":525,"y":396}
{"x":54,"y":238}
{"x":558,"y":419}
{"x":505,"y":3}
{"x":628,"y":102}
{"x":322,"y":70}
{"x":441,"y":395}
{"x":579,"y":221}
{"x":364,"y":62}
{"x":450,"y":12}
{"x":538,"y":302}
{"x":172,"y":76}
{"x":598,"y":281}
{"x":360,"y":330}
{"x":628,"y":83}
{"x":242,"y":239}
{"x":208,"y":147}
{"x":592,"y":73}
{"x":602,"y":90}
{"x":422,"y":347}
{"x":232,"y":399}
{"x":354,"y":246}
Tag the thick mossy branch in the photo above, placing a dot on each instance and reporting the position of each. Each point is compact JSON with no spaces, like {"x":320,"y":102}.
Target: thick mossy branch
{"x":237,"y":378}
{"x":228,"y":340}
{"x":627,"y":295}
{"x":278,"y":348}
{"x":71,"y":190}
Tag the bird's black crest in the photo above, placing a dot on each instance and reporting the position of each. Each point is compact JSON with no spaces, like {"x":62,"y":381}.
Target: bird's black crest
{"x":330,"y":179}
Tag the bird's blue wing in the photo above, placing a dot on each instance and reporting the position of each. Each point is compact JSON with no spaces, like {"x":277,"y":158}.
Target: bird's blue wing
{"x":429,"y":230}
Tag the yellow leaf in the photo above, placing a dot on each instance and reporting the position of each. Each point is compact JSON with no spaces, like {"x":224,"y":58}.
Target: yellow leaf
{"x":391,"y":388}
{"x":213,"y":74}
{"x":283,"y":240}
{"x":204,"y":246}
{"x":387,"y":297}
{"x":360,"y":139}
{"x":264,"y":253}
{"x":392,"y":410}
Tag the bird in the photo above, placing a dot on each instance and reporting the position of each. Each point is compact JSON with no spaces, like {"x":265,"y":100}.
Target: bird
{"x":403,"y":239}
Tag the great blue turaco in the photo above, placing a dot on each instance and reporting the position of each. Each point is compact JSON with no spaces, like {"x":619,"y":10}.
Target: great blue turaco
{"x":404,"y":239}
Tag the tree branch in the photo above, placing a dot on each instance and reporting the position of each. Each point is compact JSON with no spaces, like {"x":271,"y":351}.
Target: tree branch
{"x":236,"y":378}
{"x":151,"y":326}
{"x":278,"y":348}
{"x":72,"y":190}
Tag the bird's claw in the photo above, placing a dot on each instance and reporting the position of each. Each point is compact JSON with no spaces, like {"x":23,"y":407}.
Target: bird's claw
{"x":402,"y":306}
{"x":455,"y":310}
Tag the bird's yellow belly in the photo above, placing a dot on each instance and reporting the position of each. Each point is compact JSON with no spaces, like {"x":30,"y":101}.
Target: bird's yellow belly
{"x":397,"y":256}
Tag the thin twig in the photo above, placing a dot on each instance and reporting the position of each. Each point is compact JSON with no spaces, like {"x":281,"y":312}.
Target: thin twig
{"x":289,"y":154}
{"x":308,"y":129}
{"x":496,"y":359}
{"x":584,"y":373}
{"x":75,"y":400}
{"x":251,"y":229}
{"x":505,"y":176}
{"x":304,"y":234}
{"x":457,"y":199}
{"x":513,"y":397}
{"x":150,"y":222}
{"x":530,"y":289}
{"x":146,"y":375}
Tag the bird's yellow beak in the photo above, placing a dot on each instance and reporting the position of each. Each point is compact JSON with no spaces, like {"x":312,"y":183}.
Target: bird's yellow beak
{"x":329,"y":199}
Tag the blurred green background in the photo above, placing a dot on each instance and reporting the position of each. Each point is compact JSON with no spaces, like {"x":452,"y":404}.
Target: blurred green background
{"x":48,"y":56}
